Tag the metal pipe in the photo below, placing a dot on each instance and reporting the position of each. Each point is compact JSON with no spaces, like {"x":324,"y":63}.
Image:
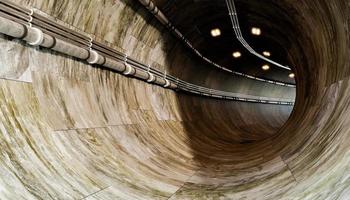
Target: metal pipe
{"x":110,"y":58}
{"x":234,"y":20}
{"x":163,"y":19}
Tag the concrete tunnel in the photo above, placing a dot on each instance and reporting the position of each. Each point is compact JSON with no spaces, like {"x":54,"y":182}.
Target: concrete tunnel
{"x":82,"y":117}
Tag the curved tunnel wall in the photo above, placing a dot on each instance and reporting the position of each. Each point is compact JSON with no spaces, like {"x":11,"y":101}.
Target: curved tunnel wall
{"x":71,"y":131}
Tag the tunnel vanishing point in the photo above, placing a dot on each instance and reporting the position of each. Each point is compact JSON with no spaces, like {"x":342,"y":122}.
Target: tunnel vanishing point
{"x":180,"y":99}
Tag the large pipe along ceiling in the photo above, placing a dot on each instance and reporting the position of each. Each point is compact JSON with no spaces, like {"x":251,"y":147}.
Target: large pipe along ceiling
{"x":72,"y":130}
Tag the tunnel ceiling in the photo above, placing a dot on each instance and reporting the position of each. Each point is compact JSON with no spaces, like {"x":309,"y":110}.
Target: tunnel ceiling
{"x":196,"y":18}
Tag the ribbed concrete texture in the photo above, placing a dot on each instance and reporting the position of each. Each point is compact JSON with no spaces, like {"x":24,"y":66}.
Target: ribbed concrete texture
{"x":69,"y":130}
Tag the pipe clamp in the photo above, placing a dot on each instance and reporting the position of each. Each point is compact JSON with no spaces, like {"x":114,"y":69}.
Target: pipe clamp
{"x":167,"y":83}
{"x":93,"y":58}
{"x":39,"y":37}
{"x":128,"y":69}
{"x":151,"y":77}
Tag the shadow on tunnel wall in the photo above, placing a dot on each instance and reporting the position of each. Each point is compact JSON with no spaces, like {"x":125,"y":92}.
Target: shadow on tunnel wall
{"x":221,"y":131}
{"x":235,"y":141}
{"x":218,"y":131}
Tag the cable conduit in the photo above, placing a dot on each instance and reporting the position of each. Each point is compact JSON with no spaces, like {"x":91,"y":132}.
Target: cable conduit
{"x":236,"y":27}
{"x":113,"y":60}
{"x":163,"y":19}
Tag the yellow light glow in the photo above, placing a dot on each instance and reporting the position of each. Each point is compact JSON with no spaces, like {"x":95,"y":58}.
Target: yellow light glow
{"x":291,"y":75}
{"x":215,"y":32}
{"x":256,"y":31}
{"x":266,"y":53}
{"x":236,"y":54}
{"x":265,"y":67}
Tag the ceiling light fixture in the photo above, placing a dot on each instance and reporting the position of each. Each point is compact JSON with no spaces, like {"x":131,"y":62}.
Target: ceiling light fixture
{"x":256,"y":31}
{"x":215,"y":32}
{"x":291,"y":75}
{"x":265,"y":67}
{"x":266,"y":53}
{"x":236,"y":54}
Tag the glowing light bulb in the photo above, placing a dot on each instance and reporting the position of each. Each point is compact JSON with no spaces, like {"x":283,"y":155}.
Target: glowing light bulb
{"x":265,"y":67}
{"x":291,"y":75}
{"x":256,"y":31}
{"x":266,"y":53}
{"x":236,"y":54}
{"x":215,"y":32}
